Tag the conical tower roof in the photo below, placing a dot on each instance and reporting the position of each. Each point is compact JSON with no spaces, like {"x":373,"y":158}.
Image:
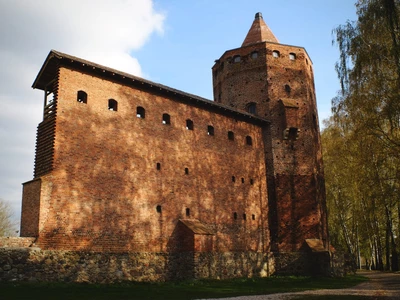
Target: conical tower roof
{"x":259,"y":32}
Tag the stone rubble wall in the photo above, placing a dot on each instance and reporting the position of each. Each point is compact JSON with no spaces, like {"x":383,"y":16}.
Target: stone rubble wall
{"x":36,"y":265}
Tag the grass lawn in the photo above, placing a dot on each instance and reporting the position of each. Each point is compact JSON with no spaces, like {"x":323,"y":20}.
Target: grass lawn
{"x":181,"y":290}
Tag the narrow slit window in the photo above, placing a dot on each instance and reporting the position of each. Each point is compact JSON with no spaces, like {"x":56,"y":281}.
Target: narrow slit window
{"x":82,"y":97}
{"x":235,"y":215}
{"x":158,"y":208}
{"x":186,"y":171}
{"x":187,"y":212}
{"x":233,"y":178}
{"x":249,"y":140}
{"x":189,"y":124}
{"x":253,"y":217}
{"x":158,"y":166}
{"x":112,"y":105}
{"x":244,"y":217}
{"x":231,"y":136}
{"x":210,"y":130}
{"x":251,"y":181}
{"x":242,"y":180}
{"x":140,"y":112}
{"x":166,"y":119}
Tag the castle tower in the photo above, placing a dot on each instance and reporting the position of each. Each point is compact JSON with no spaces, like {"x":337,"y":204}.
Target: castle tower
{"x":276,"y":82}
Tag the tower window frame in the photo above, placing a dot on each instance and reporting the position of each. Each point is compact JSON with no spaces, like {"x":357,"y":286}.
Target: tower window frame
{"x":231,"y":135}
{"x":237,"y":59}
{"x":249,"y":140}
{"x":166,"y":119}
{"x":251,"y":108}
{"x":254,"y":55}
{"x":112,"y":105}
{"x":81,"y":97}
{"x":292,"y":56}
{"x":189,"y":124}
{"x":210,"y":130}
{"x":276,"y":54}
{"x":140,"y":112}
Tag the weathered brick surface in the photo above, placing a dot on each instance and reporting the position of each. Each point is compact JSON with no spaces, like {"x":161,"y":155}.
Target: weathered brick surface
{"x":105,"y":187}
{"x":283,"y":91}
{"x":111,"y":182}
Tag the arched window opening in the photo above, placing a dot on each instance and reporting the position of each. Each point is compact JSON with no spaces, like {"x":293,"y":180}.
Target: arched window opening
{"x":187,"y":212}
{"x":276,"y":53}
{"x":249,"y":140}
{"x":189,"y":124}
{"x":81,"y":97}
{"x":166,"y":119}
{"x":292,"y":56}
{"x":112,"y":105}
{"x":210,"y":130}
{"x":158,"y":166}
{"x":231,"y":136}
{"x":251,"y":108}
{"x":236,"y":59}
{"x":140,"y":112}
{"x":235,"y":215}
{"x":158,"y":208}
{"x":254,"y":54}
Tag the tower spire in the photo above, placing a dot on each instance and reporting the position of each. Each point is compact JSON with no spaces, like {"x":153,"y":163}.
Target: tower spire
{"x":259,"y":32}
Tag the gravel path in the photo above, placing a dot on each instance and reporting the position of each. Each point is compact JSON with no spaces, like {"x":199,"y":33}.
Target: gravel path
{"x":381,"y":284}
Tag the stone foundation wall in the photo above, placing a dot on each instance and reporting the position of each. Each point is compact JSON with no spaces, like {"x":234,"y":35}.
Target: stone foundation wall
{"x":34,"y":264}
{"x":233,"y":264}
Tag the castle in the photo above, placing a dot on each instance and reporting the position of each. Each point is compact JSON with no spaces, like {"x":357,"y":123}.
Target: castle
{"x":126,"y":165}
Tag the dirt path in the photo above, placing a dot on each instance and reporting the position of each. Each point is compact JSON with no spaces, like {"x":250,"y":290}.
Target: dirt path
{"x":381,"y":285}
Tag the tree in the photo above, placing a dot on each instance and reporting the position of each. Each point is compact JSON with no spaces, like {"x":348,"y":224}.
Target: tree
{"x":362,"y":139}
{"x":7,"y":227}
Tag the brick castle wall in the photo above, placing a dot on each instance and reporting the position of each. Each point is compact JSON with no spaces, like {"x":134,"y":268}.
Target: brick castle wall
{"x":113,"y":170}
{"x":281,"y":87}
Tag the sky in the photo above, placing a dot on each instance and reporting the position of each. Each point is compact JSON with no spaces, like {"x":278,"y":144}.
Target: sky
{"x":172,"y":42}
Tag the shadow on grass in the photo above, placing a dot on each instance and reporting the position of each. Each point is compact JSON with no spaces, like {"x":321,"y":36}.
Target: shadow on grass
{"x":198,"y":289}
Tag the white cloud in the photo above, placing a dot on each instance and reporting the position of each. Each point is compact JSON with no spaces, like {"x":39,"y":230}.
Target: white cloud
{"x":102,"y":31}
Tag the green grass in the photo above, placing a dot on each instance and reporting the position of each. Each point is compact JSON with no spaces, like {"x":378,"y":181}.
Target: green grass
{"x":181,"y":290}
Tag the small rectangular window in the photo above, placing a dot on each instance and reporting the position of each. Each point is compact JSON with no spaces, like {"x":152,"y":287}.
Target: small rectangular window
{"x":210,"y":130}
{"x":231,"y":136}
{"x":189,"y":124}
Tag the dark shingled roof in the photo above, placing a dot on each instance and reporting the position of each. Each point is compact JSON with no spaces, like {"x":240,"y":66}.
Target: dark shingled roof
{"x":197,"y":227}
{"x":56,"y":59}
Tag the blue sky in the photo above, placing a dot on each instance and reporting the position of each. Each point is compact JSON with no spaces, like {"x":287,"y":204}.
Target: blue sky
{"x":172,"y":42}
{"x":198,"y":32}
